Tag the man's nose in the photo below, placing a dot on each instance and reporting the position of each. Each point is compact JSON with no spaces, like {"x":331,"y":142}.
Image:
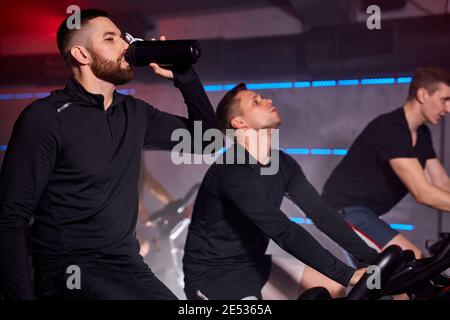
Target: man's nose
{"x":125,"y":45}
{"x":269,"y":102}
{"x":447,"y":107}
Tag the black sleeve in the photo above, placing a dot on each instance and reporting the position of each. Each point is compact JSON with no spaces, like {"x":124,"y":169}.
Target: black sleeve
{"x":326,"y":219}
{"x":239,"y":185}
{"x":28,"y":163}
{"x":161,"y":125}
{"x":393,"y":141}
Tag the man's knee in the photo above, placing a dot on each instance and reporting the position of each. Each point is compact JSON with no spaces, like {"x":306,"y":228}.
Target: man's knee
{"x":405,"y":244}
{"x":417,"y":253}
{"x":336,"y":291}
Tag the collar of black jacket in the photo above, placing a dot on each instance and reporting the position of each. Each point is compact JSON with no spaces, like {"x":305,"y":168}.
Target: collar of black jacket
{"x":240,"y":155}
{"x":75,"y":90}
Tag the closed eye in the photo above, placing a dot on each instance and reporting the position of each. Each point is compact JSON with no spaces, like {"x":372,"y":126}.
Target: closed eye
{"x":257,"y":99}
{"x":110,"y":36}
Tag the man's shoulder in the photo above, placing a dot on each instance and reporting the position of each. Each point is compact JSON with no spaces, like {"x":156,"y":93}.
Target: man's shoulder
{"x":44,"y":108}
{"x":287,"y":161}
{"x":42,"y":114}
{"x":131,"y":98}
{"x":388,"y":118}
{"x":50,"y":104}
{"x":384,"y":123}
{"x":283,"y":154}
{"x":138,"y":103}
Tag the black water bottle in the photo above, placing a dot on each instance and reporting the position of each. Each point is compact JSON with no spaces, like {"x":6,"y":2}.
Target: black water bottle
{"x":164,"y":53}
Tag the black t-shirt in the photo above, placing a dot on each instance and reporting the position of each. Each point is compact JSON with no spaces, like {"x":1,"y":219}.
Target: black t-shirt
{"x":236,"y":213}
{"x":364,"y":177}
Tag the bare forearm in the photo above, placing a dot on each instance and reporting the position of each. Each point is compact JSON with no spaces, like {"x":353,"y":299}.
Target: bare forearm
{"x":441,"y":183}
{"x":446,"y":186}
{"x":435,"y":197}
{"x":443,"y":186}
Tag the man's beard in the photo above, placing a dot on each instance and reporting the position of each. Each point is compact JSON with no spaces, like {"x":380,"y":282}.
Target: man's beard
{"x":111,"y":71}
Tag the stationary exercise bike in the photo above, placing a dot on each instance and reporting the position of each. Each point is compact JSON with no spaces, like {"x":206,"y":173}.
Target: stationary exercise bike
{"x":424,"y":279}
{"x":172,"y":222}
{"x":400,"y":272}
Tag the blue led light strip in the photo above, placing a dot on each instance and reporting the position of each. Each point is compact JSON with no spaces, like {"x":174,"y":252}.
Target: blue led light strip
{"x":315,"y":84}
{"x":397,"y":226}
{"x":39,"y":95}
{"x":250,"y":86}
{"x":294,"y":151}
{"x":320,"y":152}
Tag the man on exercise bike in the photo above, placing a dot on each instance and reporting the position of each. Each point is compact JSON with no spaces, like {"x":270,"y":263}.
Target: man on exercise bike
{"x":392,"y":156}
{"x":237,"y":212}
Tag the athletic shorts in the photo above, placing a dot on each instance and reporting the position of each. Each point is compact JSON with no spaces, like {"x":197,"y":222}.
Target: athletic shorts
{"x":373,"y":230}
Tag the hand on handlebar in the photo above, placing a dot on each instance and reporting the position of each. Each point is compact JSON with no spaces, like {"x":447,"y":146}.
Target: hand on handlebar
{"x":357,"y":276}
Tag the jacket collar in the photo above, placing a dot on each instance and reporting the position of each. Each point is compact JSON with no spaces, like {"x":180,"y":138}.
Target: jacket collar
{"x":241,"y":154}
{"x":77,"y":92}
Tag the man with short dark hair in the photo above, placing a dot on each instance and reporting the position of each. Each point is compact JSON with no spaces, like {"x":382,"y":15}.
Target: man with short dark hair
{"x":392,"y":156}
{"x":237,"y":212}
{"x":73,"y":164}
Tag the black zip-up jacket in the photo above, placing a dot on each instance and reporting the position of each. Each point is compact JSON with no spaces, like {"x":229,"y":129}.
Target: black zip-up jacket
{"x":74,"y":168}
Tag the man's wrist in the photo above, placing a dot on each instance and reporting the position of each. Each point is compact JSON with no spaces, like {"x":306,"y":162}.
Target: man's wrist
{"x":184,"y":74}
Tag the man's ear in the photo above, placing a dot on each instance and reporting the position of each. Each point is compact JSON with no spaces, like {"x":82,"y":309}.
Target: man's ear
{"x":80,"y":54}
{"x":421,"y":94}
{"x":238,"y":123}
